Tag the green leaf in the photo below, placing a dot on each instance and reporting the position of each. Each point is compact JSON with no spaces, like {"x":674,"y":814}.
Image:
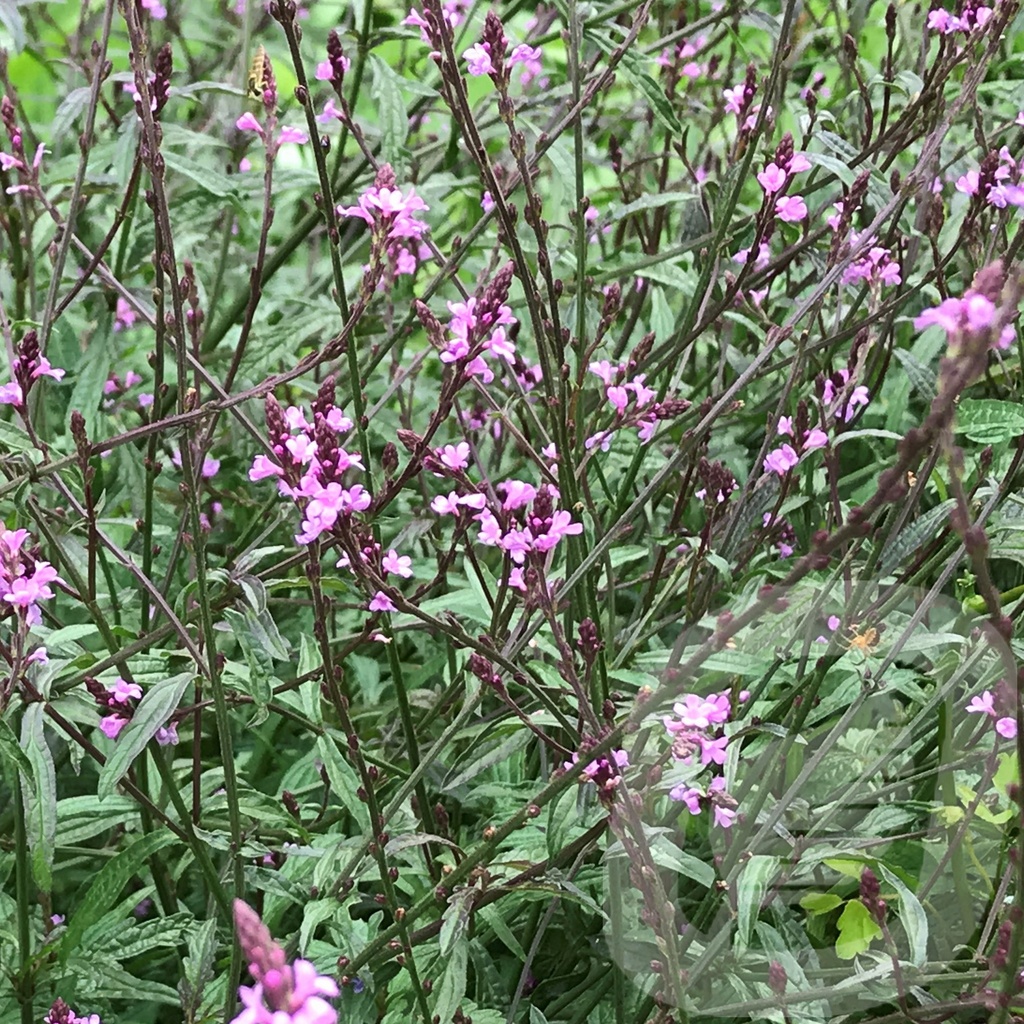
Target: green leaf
{"x":198,"y":966}
{"x":107,"y":886}
{"x":651,"y":201}
{"x":455,"y":919}
{"x":912,"y":916}
{"x":92,"y":372}
{"x":219,"y":185}
{"x":751,"y":888}
{"x":453,"y":981}
{"x":392,"y":115}
{"x":914,"y":536}
{"x":989,"y":421}
{"x":493,"y":753}
{"x":820,"y":902}
{"x":344,"y":780}
{"x":632,"y":69}
{"x":857,"y":930}
{"x":12,"y":752}
{"x":156,"y":706}
{"x":10,"y":18}
{"x":39,"y":794}
{"x":920,"y":376}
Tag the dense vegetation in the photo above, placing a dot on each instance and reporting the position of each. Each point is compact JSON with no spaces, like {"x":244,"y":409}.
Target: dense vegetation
{"x":512,"y":514}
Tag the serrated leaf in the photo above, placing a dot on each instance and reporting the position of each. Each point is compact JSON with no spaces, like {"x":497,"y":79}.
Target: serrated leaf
{"x":912,"y":916}
{"x":39,"y":795}
{"x":913,"y":536}
{"x":107,"y":885}
{"x":12,"y":752}
{"x":452,"y":987}
{"x":921,"y":377}
{"x":493,"y":754}
{"x":91,"y":374}
{"x":219,"y":185}
{"x":857,"y":930}
{"x":344,"y":780}
{"x":392,"y":115}
{"x":651,"y":201}
{"x":10,"y":18}
{"x":198,"y":966}
{"x":455,"y":919}
{"x":155,"y":708}
{"x":751,"y":887}
{"x":989,"y":421}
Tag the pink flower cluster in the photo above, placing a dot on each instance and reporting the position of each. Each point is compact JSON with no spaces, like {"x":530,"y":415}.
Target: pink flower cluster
{"x":971,"y":17}
{"x":311,"y":465}
{"x":972,"y":314}
{"x":784,"y":458}
{"x":284,"y":993}
{"x":695,"y":728}
{"x":61,"y":1013}
{"x":119,"y":701}
{"x":24,"y":581}
{"x":604,"y":772}
{"x":28,"y":366}
{"x":475,"y":336}
{"x":391,"y":214}
{"x":997,"y":180}
{"x":775,"y":178}
{"x":1000,"y":708}
{"x":876,"y":267}
{"x":834,"y":387}
{"x":454,"y":13}
{"x":525,"y":526}
{"x":249,"y":123}
{"x":683,"y":54}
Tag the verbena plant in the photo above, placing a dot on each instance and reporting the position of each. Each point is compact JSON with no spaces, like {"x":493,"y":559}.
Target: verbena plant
{"x":510,"y":514}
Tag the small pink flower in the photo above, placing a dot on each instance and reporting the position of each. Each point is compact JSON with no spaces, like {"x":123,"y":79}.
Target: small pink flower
{"x":772,"y":178}
{"x":687,"y":795}
{"x":380,"y":602}
{"x":791,"y":209}
{"x":248,"y":123}
{"x":983,"y":704}
{"x":399,"y":565}
{"x":290,"y":134}
{"x":478,"y":59}
{"x":112,"y":725}
{"x":781,"y":460}
{"x":122,"y":691}
{"x":1007,"y":728}
{"x":456,"y":456}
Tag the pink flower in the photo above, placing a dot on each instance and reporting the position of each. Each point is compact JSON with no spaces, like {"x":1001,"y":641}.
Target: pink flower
{"x":781,"y":460}
{"x":122,"y":692}
{"x":290,"y":134}
{"x":772,"y":178}
{"x":112,"y":725}
{"x":478,"y":59}
{"x":791,"y":208}
{"x":517,"y":494}
{"x":10,"y":394}
{"x":399,"y":565}
{"x":1007,"y":728}
{"x":454,"y":456}
{"x":687,"y":795}
{"x":262,"y":468}
{"x":167,"y":735}
{"x":942,"y":21}
{"x":712,"y":751}
{"x":815,"y":438}
{"x":248,"y":123}
{"x":785,"y":426}
{"x":529,"y":57}
{"x":486,"y":202}
{"x":797,"y":163}
{"x":44,"y":369}
{"x":984,"y":704}
{"x":380,"y":602}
